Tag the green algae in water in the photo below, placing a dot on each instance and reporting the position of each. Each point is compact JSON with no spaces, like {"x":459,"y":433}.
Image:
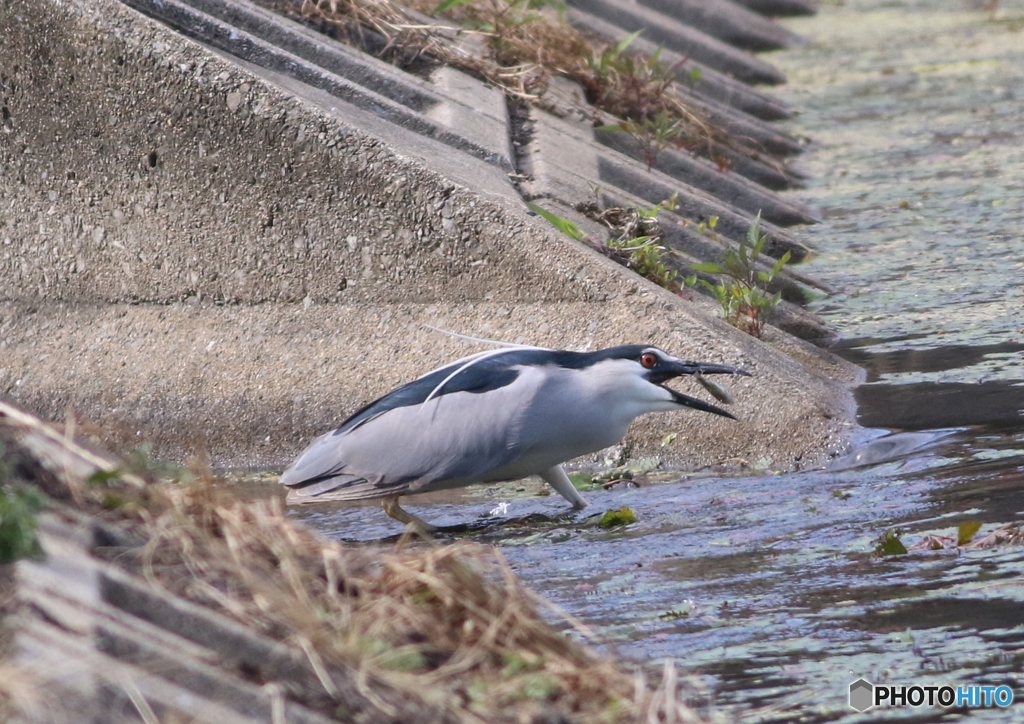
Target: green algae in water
{"x":614,"y":518}
{"x":966,"y":532}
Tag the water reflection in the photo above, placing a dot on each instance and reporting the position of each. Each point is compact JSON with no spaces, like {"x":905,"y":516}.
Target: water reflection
{"x":888,"y":360}
{"x":927,"y":405}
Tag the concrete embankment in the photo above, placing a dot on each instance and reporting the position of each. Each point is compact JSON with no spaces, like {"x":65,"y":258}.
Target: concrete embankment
{"x":210,"y":255}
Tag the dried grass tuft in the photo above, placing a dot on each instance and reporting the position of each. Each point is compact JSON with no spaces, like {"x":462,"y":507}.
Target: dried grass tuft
{"x":518,"y":47}
{"x":449,"y":626}
{"x":446,"y":631}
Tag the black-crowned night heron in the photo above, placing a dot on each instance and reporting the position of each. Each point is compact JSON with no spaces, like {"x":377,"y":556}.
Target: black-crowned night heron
{"x":498,"y":415}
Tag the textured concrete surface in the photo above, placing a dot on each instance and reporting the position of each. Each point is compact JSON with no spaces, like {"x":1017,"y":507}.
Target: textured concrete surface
{"x":728,"y":21}
{"x":781,"y":7}
{"x":472,"y":119}
{"x":214,"y":257}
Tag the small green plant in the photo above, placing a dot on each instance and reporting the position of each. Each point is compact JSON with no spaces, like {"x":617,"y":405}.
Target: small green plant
{"x":19,"y":505}
{"x":636,"y":243}
{"x":609,"y":61}
{"x":502,"y":22}
{"x":18,"y":509}
{"x":567,"y":227}
{"x":653,"y":134}
{"x":632,"y":83}
{"x":638,"y":90}
{"x":642,"y":253}
{"x":741,"y":289}
{"x":708,"y":227}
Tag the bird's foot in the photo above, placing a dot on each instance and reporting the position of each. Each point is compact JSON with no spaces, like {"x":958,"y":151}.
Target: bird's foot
{"x":392,"y":508}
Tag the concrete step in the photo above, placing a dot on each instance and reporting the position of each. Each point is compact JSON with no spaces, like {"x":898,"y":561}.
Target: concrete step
{"x":475,"y":121}
{"x":683,"y":39}
{"x":778,"y":8}
{"x":97,"y":655}
{"x":729,"y":22}
{"x":701,"y":173}
{"x":564,"y":160}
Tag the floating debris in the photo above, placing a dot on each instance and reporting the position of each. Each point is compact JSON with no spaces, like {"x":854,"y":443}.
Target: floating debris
{"x":614,"y":518}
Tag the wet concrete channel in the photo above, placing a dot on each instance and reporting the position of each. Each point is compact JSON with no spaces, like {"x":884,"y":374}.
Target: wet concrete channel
{"x":767,"y":589}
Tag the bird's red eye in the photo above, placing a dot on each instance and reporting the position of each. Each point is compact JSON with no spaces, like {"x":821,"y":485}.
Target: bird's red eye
{"x":648,"y":360}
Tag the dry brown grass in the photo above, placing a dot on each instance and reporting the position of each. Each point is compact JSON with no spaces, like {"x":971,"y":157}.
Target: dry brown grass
{"x":448,"y":628}
{"x":519,"y":49}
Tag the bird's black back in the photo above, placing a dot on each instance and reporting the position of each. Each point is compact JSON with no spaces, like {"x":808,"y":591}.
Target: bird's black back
{"x":490,"y":373}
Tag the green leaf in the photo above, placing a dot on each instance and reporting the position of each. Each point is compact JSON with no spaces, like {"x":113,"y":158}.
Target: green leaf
{"x":754,"y":230}
{"x":564,"y":225}
{"x":612,"y":127}
{"x":448,"y":5}
{"x":758,"y":247}
{"x":102,"y":477}
{"x":708,"y":266}
{"x":783,"y":260}
{"x":583,"y":481}
{"x":625,"y":42}
{"x":966,"y":532}
{"x":695,"y":75}
{"x":890,"y":544}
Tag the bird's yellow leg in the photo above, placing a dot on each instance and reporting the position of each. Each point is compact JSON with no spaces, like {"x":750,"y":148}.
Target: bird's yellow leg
{"x":390,"y":505}
{"x":557,"y":479}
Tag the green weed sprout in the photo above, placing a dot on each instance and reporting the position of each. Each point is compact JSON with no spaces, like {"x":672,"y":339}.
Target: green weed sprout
{"x":18,"y":509}
{"x":741,"y":289}
{"x":641,"y":253}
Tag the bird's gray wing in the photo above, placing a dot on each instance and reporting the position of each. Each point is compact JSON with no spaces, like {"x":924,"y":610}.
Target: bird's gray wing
{"x":453,"y":439}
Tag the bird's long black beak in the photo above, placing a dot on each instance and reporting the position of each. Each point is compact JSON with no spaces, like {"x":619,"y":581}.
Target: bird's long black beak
{"x":687,"y":401}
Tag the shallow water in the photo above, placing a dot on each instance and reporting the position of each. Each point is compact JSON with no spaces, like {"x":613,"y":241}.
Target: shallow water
{"x":768,"y":589}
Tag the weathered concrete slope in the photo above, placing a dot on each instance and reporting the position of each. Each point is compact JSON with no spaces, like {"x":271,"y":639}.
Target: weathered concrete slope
{"x":193,"y":251}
